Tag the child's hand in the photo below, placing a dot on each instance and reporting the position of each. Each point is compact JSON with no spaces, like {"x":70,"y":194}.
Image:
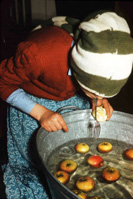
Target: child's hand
{"x":48,"y":119}
{"x":52,"y":121}
{"x":104,"y":102}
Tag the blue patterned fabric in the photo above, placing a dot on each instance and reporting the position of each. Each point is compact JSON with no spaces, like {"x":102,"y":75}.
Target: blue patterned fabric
{"x":22,"y":179}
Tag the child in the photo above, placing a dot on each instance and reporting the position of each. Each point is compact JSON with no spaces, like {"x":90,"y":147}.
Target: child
{"x":47,"y":72}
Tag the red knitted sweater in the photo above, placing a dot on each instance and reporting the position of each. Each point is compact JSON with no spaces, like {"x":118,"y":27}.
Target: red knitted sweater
{"x":40,"y":66}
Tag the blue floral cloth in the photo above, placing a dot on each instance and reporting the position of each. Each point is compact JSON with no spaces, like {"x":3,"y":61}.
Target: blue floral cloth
{"x":21,"y":176}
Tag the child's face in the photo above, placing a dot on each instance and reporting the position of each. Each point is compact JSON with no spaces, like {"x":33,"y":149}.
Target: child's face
{"x":91,"y":95}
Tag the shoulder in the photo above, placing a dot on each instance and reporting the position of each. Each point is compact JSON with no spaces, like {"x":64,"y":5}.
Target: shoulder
{"x":51,"y":33}
{"x":41,"y":40}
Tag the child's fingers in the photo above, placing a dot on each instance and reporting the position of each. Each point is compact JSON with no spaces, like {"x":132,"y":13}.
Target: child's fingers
{"x":65,"y":128}
{"x":63,"y":124}
{"x":47,"y":128}
{"x":54,"y":123}
{"x":58,"y":126}
{"x":108,"y":108}
{"x":54,"y":128}
{"x":109,"y":114}
{"x":93,"y":105}
{"x":59,"y":122}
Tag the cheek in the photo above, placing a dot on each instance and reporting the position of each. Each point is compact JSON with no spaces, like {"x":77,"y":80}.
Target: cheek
{"x":98,"y":97}
{"x":90,"y":95}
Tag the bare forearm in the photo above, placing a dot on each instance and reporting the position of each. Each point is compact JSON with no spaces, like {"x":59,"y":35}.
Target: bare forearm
{"x":37,"y":111}
{"x":49,"y":120}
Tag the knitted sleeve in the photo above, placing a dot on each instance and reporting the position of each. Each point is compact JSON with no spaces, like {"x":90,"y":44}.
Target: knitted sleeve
{"x":9,"y":81}
{"x":40,"y":66}
{"x":16,"y":70}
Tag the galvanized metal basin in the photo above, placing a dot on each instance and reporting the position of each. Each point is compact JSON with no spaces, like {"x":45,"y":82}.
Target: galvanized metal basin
{"x":120,"y":127}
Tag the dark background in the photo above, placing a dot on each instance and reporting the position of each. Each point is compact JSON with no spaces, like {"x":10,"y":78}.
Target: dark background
{"x":12,"y":33}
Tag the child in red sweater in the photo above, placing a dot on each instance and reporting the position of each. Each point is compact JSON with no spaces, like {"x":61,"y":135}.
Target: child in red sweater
{"x":47,"y":72}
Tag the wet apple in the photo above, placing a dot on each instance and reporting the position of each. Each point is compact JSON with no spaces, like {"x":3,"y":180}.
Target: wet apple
{"x":68,"y":165}
{"x":82,"y":148}
{"x":110,"y":174}
{"x":101,"y":114}
{"x":62,"y":176}
{"x":105,"y":147}
{"x":79,"y":193}
{"x":85,"y":183}
{"x":95,"y":161}
{"x":129,"y":154}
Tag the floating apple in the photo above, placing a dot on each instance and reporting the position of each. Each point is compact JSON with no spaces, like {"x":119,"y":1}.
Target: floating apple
{"x":68,"y":165}
{"x":105,"y":147}
{"x":85,"y":183}
{"x":129,"y":154}
{"x":82,"y":148}
{"x":95,"y":161}
{"x":110,"y":174}
{"x":80,"y":194}
{"x":62,"y":176}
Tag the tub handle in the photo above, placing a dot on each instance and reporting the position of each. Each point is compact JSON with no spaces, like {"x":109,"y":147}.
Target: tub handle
{"x":74,"y":108}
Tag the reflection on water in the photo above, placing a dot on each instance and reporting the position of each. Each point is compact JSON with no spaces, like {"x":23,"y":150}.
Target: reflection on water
{"x":121,"y":189}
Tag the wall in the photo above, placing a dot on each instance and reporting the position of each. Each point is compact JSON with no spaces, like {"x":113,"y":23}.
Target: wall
{"x":42,"y":10}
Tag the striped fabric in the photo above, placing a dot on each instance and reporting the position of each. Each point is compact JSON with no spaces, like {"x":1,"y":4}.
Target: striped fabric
{"x":102,"y":56}
{"x":67,"y":23}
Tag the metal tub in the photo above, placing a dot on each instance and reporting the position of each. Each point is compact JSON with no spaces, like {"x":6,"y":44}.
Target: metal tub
{"x":120,"y":127}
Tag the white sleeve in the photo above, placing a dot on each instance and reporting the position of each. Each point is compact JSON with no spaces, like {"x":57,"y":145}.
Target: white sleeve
{"x":21,"y":100}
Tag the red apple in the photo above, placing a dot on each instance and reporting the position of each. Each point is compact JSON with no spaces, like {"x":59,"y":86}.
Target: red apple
{"x":62,"y":176}
{"x":105,"y":147}
{"x":129,"y":154}
{"x":68,"y":165}
{"x":80,"y":194}
{"x":82,"y":148}
{"x":85,"y":183}
{"x":110,"y":174}
{"x":95,"y":161}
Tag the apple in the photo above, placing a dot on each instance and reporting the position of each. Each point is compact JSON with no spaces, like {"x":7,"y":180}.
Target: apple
{"x":95,"y":161}
{"x":68,"y":165}
{"x":105,"y":147}
{"x":101,"y":114}
{"x":85,"y":183}
{"x":80,"y":194}
{"x":82,"y":148}
{"x":129,"y":154}
{"x":62,"y":176}
{"x":110,"y":174}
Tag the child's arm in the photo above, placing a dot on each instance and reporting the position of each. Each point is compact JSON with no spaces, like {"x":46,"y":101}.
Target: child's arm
{"x":48,"y":119}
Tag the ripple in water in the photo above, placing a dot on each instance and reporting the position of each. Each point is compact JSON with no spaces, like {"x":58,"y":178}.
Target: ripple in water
{"x":121,"y":189}
{"x":66,"y":151}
